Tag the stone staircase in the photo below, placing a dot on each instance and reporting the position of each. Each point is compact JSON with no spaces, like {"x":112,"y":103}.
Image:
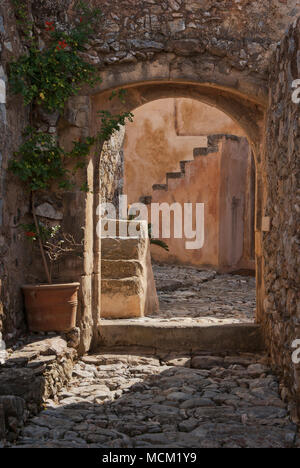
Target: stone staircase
{"x":127,"y":322}
{"x":172,"y":177}
{"x":128,"y":287}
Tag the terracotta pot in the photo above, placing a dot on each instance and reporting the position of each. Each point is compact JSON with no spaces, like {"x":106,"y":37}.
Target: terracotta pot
{"x":51,"y":307}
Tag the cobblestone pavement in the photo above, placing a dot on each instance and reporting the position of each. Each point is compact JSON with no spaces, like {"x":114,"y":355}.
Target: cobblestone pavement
{"x":189,"y":293}
{"x":118,"y":400}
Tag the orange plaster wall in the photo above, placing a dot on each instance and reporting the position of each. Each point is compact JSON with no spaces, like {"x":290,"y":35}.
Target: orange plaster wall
{"x":163,"y":133}
{"x":219,"y":181}
{"x":196,"y":118}
{"x":200,"y":185}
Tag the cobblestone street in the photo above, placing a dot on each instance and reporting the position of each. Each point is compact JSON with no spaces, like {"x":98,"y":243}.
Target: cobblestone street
{"x":145,"y":397}
{"x":189,"y":293}
{"x":123,"y":400}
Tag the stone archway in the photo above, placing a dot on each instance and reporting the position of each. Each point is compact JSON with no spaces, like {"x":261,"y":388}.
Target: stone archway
{"x":244,"y":98}
{"x":217,"y":52}
{"x":247,"y":111}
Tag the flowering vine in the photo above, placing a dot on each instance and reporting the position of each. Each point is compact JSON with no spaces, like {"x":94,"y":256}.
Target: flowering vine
{"x":48,"y":77}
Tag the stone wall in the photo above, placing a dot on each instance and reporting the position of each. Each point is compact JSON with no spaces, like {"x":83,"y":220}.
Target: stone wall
{"x":34,"y":371}
{"x":281,"y":320}
{"x":234,"y":35}
{"x":222,"y":48}
{"x":111,"y":168}
{"x":14,"y":202}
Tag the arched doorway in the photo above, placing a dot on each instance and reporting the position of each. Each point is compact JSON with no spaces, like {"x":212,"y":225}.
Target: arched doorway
{"x":244,"y":102}
{"x":180,"y":151}
{"x":247,"y":113}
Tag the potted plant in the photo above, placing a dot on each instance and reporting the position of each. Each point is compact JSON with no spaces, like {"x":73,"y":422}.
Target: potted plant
{"x":40,"y":162}
{"x":52,"y":307}
{"x":47,"y":78}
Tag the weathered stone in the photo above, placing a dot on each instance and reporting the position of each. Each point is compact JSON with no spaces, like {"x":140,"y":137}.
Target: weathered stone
{"x":255,"y":370}
{"x":42,"y":360}
{"x":48,"y":211}
{"x":196,"y":403}
{"x":30,"y":376}
{"x":150,"y":45}
{"x":117,"y":269}
{"x":206,"y":362}
{"x":159,"y":403}
{"x":177,"y":25}
{"x":128,"y":288}
{"x":178,"y":396}
{"x":187,"y":47}
{"x":2,"y":92}
{"x":261,"y":26}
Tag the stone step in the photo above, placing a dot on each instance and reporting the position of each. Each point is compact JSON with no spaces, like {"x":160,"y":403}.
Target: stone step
{"x":170,"y":336}
{"x":174,"y":175}
{"x":129,"y":286}
{"x":122,"y":298}
{"x":119,"y":269}
{"x":123,"y":249}
{"x":147,"y":199}
{"x":213,"y":147}
{"x":184,"y":163}
{"x":205,"y":151}
{"x":160,"y":187}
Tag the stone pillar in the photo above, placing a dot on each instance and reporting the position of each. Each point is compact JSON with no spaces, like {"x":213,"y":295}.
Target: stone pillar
{"x":78,"y":219}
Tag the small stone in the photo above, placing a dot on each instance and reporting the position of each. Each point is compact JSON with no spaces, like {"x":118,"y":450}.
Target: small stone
{"x":188,"y":425}
{"x":48,"y":211}
{"x":196,"y":402}
{"x":178,"y":396}
{"x":177,"y":25}
{"x":2,"y":91}
{"x":256,"y":370}
{"x":206,"y":362}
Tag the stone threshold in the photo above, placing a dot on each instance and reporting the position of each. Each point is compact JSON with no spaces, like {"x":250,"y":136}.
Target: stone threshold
{"x":203,"y":335}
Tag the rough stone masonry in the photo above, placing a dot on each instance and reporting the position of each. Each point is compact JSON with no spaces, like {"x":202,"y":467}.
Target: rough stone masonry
{"x":149,"y":399}
{"x":223,"y":52}
{"x":226,"y":38}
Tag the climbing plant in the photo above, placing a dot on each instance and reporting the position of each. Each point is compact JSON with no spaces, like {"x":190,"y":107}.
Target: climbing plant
{"x":47,"y":77}
{"x":40,"y":160}
{"x":50,"y":76}
{"x":22,"y":18}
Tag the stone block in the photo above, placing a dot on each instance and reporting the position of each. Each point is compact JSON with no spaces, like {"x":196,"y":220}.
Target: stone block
{"x":123,"y":249}
{"x":122,"y":298}
{"x":48,"y":211}
{"x":177,"y":25}
{"x":114,"y":269}
{"x":2,"y":29}
{"x":127,"y":286}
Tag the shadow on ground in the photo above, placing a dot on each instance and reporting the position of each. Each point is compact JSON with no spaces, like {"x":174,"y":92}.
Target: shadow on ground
{"x":133,"y":399}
